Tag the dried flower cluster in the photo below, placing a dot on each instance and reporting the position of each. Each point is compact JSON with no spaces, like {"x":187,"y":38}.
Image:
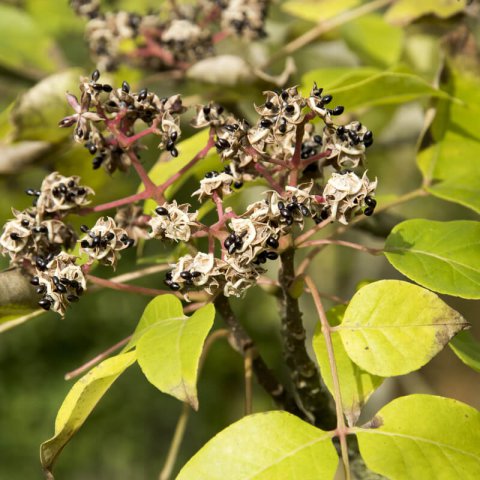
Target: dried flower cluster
{"x":151,"y":41}
{"x":105,"y":118}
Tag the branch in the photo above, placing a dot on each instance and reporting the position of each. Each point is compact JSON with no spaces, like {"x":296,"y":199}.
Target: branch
{"x":315,"y":398}
{"x":241,"y":341}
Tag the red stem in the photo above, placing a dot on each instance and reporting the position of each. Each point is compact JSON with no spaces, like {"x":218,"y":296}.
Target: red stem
{"x":103,"y":282}
{"x":266,"y":174}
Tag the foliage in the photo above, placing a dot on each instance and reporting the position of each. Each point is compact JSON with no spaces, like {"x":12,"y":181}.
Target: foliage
{"x":313,"y":412}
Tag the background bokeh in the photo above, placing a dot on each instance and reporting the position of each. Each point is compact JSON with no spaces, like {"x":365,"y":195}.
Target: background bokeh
{"x":128,"y":434}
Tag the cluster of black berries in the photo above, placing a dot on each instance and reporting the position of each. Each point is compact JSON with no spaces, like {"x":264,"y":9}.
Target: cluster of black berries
{"x":186,"y":37}
{"x":101,"y":105}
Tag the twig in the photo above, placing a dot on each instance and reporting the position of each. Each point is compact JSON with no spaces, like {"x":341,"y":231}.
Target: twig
{"x":101,"y":356}
{"x":241,"y":341}
{"x":18,"y":321}
{"x":342,"y":243}
{"x":248,"y":363}
{"x":312,"y":231}
{"x":326,"y":26}
{"x":303,"y":371}
{"x":341,"y":427}
{"x":126,"y":288}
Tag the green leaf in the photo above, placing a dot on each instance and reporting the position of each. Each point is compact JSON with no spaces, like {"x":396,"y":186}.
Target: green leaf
{"x":163,"y":170}
{"x":79,"y":403}
{"x":467,"y":349}
{"x":442,"y":256}
{"x":423,"y":437}
{"x":265,"y":446}
{"x":365,"y":34}
{"x":318,"y":10}
{"x":25,"y":48}
{"x":35,"y":115}
{"x":169,"y":346}
{"x":392,"y":327}
{"x":356,"y":385}
{"x":405,"y":11}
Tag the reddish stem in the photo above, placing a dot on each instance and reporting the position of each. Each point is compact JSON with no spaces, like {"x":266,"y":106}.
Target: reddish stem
{"x":118,"y":203}
{"x":103,"y":282}
{"x":316,"y":158}
{"x":266,"y":174}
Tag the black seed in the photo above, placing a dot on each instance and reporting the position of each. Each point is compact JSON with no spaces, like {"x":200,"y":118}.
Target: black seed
{"x":173,"y":136}
{"x":209,"y":175}
{"x":124,"y":238}
{"x":326,"y":99}
{"x":231,"y":248}
{"x":41,"y":289}
{"x":338,"y":110}
{"x":238,"y":184}
{"x":79,"y":290}
{"x":92,"y":149}
{"x":97,"y":86}
{"x":292,"y":206}
{"x":95,"y":75}
{"x":162,"y":211}
{"x":168,"y":276}
{"x":370,"y":201}
{"x":174,"y":152}
{"x":282,"y":128}
{"x":84,"y":244}
{"x":97,"y":161}
{"x":142,"y":95}
{"x":317,"y":139}
{"x":60,"y":288}
{"x":84,"y":228}
{"x":174,"y":286}
{"x":289,"y":108}
{"x":368,"y":143}
{"x":186,"y":275}
{"x":195,"y":274}
{"x":71,"y":184}
{"x":284,"y":95}
{"x":368,"y":135}
{"x":45,"y":304}
{"x":56,"y":280}
{"x":125,"y":87}
{"x":285,"y":213}
{"x":222,"y":144}
{"x":170,"y":145}
{"x":107,"y":88}
{"x":272,"y":255}
{"x":110,"y":236}
{"x":14,"y":236}
{"x":269,"y":105}
{"x":72,"y":298}
{"x":368,"y":211}
{"x":281,"y":205}
{"x":206,"y":109}
{"x":272,"y":242}
{"x":34,"y":281}
{"x":305,"y":211}
{"x":66,"y":281}
{"x":324,"y":214}
{"x":220,"y":109}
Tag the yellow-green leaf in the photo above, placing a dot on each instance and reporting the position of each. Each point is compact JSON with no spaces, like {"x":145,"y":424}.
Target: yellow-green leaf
{"x":356,"y":385}
{"x":169,"y":345}
{"x":442,"y":256}
{"x":423,"y":437}
{"x":318,"y":10}
{"x":266,"y":446}
{"x":392,"y":327}
{"x":467,"y":349}
{"x":79,"y":403}
{"x":405,"y":11}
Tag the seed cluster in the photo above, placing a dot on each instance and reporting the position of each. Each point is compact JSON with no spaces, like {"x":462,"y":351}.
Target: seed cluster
{"x":184,"y":38}
{"x":102,"y":106}
{"x":173,"y":221}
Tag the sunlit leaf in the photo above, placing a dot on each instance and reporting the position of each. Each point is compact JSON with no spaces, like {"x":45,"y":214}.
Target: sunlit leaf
{"x":318,"y":10}
{"x":467,"y":349}
{"x":265,"y":446}
{"x":405,"y":11}
{"x":365,"y":34}
{"x":79,"y":403}
{"x":356,"y":385}
{"x":423,"y":436}
{"x":169,"y":345}
{"x":392,"y":327}
{"x":442,"y":256}
{"x":25,"y":48}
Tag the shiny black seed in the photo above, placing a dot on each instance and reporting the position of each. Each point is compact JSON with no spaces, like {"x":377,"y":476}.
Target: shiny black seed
{"x":84,"y":228}
{"x":368,"y":211}
{"x":305,"y":211}
{"x":72,"y":298}
{"x":282,"y":128}
{"x":174,"y":286}
{"x":206,"y":109}
{"x":368,"y":135}
{"x":71,"y":184}
{"x":290,"y":109}
{"x":368,"y":143}
{"x":142,"y":95}
{"x":168,"y":276}
{"x":285,"y":213}
{"x":124,"y":238}
{"x":45,"y":304}
{"x":25,"y":223}
{"x":324,"y":214}
{"x":272,"y":255}
{"x":326,"y":99}
{"x":265,"y":123}
{"x":84,"y":244}
{"x":32,"y":192}
{"x":341,"y":130}
{"x":269,"y":105}
{"x":338,"y":110}
{"x":317,"y":139}
{"x":231,"y":248}
{"x":56,"y":280}
{"x":66,"y":281}
{"x":174,"y":152}
{"x":107,"y":88}
{"x":220,"y":109}
{"x":238,"y":184}
{"x":195,"y":274}
{"x":284,"y":95}
{"x":110,"y":236}
{"x":228,"y":241}
{"x":222,"y":144}
{"x":34,"y":281}
{"x":60,"y":288}
{"x":292,"y":206}
{"x":41,"y":289}
{"x":281,"y":205}
{"x":14,"y":236}
{"x":125,"y":87}
{"x":305,"y":154}
{"x":95,"y":75}
{"x":162,"y":211}
{"x":170,"y":145}
{"x":92,"y":149}
{"x":97,"y":86}
{"x":317,"y":92}
{"x":186,"y":275}
{"x":40,"y":229}
{"x":173,"y":136}
{"x":272,"y":242}
{"x":209,"y":175}
{"x":370,"y":201}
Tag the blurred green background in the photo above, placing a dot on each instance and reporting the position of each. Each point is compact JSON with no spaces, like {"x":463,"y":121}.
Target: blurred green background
{"x":128,"y":434}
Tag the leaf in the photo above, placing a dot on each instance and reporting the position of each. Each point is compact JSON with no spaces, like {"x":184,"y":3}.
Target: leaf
{"x":392,"y":327}
{"x":365,"y":34}
{"x":265,"y":446}
{"x":25,"y":48}
{"x":79,"y":403}
{"x":163,"y":170}
{"x":169,"y":346}
{"x":467,"y":349}
{"x":356,"y":385}
{"x":35,"y":115}
{"x":318,"y":10}
{"x":423,"y":437}
{"x":405,"y":11}
{"x":441,"y":256}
